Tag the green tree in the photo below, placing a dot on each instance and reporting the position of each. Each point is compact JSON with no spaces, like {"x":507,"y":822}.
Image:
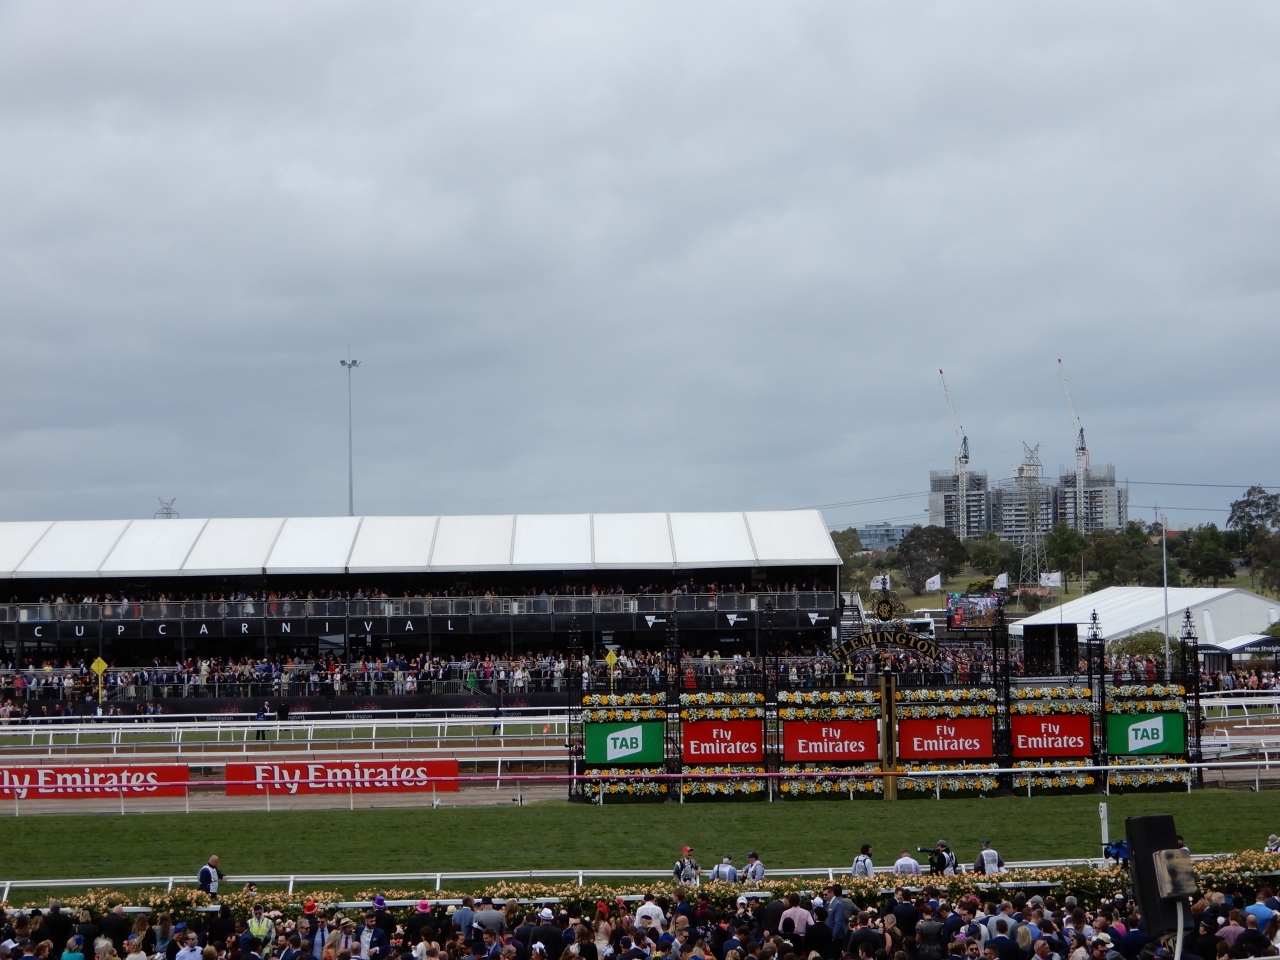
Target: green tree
{"x":849,"y":546}
{"x":1124,"y":557}
{"x":926,"y":551}
{"x":1063,"y":548}
{"x":992,"y":555}
{"x":1256,"y":510}
{"x":1208,"y":558}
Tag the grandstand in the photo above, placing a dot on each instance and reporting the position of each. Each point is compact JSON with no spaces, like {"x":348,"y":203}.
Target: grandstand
{"x":142,"y":591}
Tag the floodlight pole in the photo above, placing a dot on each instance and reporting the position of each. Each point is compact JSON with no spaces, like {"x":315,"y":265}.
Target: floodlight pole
{"x":351,"y":470}
{"x":1164,"y":559}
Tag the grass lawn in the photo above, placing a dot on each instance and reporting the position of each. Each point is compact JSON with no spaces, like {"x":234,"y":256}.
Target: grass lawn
{"x":560,"y":835}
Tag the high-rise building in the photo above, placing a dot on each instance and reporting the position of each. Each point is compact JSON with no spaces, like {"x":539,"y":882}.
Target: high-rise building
{"x":1024,"y":506}
{"x":965,"y":516}
{"x":1106,"y":506}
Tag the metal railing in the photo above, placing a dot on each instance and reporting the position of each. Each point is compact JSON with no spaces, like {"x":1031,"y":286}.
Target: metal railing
{"x":415,"y":606}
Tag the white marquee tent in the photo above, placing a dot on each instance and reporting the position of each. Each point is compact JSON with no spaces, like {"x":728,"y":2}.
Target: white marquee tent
{"x":320,"y":545}
{"x":1219,"y":613}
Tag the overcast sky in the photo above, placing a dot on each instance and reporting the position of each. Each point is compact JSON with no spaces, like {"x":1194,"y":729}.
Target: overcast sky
{"x":630,"y":256}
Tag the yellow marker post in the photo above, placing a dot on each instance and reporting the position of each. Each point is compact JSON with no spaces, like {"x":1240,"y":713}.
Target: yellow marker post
{"x":99,"y":667}
{"x":611,"y":658}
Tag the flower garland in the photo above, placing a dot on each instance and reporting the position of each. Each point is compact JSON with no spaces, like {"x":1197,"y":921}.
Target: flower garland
{"x":958,"y":695}
{"x":1149,"y":690}
{"x":1075,"y":692}
{"x":946,"y":710}
{"x":720,"y":698}
{"x":627,"y":788}
{"x":953,"y":778}
{"x":830,"y":697}
{"x":723,"y":788}
{"x":1056,"y":780}
{"x":723,"y":713}
{"x":722,"y":771}
{"x":1045,"y":709}
{"x":1148,"y":778}
{"x":1146,"y":706}
{"x":624,"y":700}
{"x":606,"y":716}
{"x":829,"y":713}
{"x":838,"y":781}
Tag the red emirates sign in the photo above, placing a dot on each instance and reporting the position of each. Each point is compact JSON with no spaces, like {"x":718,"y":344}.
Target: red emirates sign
{"x":74,"y":783}
{"x":343,"y":776}
{"x":830,"y":741}
{"x":1066,"y":735}
{"x":964,"y":738}
{"x":714,"y":742}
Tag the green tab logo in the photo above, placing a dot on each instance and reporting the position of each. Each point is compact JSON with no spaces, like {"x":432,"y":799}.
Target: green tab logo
{"x":625,"y":743}
{"x":634,"y":743}
{"x":1146,"y":734}
{"x":1151,"y":733}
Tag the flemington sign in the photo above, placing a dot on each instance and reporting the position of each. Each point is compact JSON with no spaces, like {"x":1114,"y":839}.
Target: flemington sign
{"x":922,"y":645}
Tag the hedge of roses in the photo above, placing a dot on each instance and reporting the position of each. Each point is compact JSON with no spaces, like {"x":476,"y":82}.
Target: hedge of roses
{"x":1247,"y":868}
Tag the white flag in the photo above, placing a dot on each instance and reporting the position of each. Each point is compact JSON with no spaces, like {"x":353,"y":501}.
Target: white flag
{"x":1002,"y":582}
{"x":934,"y":582}
{"x":1051,"y":579}
{"x":880,"y":583}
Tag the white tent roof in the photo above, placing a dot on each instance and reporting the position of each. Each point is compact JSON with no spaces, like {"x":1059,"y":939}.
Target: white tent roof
{"x":1127,"y":610}
{"x":306,"y":545}
{"x":1243,"y":643}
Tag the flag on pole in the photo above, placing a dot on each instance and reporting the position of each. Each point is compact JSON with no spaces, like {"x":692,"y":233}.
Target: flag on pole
{"x":1051,"y":579}
{"x":880,"y":583}
{"x":934,"y":582}
{"x":1002,"y":582}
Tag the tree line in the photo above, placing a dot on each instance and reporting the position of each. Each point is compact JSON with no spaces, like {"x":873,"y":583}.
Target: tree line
{"x":1201,"y":555}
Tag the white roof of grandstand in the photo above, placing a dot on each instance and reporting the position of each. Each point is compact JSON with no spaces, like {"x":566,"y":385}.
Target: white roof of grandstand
{"x":1216,"y":611}
{"x":316,"y":545}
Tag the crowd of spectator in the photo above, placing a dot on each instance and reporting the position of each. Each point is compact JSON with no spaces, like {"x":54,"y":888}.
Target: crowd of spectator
{"x":916,"y":923}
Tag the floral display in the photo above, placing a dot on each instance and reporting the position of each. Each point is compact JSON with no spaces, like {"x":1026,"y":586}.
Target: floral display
{"x":720,"y":699}
{"x":957,"y":695}
{"x":1131,"y":690}
{"x":1072,"y":777}
{"x":1149,"y":778}
{"x":829,"y":697}
{"x":829,"y":713}
{"x":608,"y":716}
{"x":734,"y":771}
{"x":1146,"y":706}
{"x":948,"y":777}
{"x":724,"y":788}
{"x":625,"y":789}
{"x":625,"y":700}
{"x":1073,"y":692}
{"x":1047,"y":708}
{"x":935,"y":710}
{"x":722,"y":713}
{"x":835,"y":782}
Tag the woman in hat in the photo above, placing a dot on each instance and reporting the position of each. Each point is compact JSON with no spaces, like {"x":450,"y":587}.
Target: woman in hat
{"x":603,"y":928}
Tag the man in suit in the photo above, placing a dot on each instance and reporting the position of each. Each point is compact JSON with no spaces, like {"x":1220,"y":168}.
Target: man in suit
{"x":373,"y":942}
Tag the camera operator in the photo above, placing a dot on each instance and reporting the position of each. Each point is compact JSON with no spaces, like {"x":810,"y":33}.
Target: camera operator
{"x":941,"y":859}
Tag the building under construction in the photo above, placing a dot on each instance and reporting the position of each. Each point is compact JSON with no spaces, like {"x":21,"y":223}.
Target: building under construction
{"x":1024,"y":507}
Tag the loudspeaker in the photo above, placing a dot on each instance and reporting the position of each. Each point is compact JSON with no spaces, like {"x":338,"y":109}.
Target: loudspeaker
{"x":1146,"y":836}
{"x":1050,"y":649}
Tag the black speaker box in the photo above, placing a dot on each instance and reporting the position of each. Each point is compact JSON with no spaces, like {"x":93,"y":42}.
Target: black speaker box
{"x":1146,"y":835}
{"x":1051,"y":649}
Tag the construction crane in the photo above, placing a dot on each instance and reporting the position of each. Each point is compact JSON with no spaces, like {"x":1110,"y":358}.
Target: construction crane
{"x":1082,"y":451}
{"x":962,"y":464}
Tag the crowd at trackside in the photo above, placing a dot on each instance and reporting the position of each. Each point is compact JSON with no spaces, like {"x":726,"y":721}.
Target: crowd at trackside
{"x":916,"y":923}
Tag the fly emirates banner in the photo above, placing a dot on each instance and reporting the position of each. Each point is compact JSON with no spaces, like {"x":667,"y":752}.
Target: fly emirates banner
{"x":964,"y":738}
{"x":341,"y":776}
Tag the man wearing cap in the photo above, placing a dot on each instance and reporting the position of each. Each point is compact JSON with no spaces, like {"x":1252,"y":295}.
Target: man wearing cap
{"x":943,"y":860}
{"x":754,"y":871}
{"x":725,"y":870}
{"x":988,"y":861}
{"x":686,"y":870}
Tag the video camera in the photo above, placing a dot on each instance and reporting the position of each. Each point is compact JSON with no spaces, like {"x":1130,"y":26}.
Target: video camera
{"x":937,"y":858}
